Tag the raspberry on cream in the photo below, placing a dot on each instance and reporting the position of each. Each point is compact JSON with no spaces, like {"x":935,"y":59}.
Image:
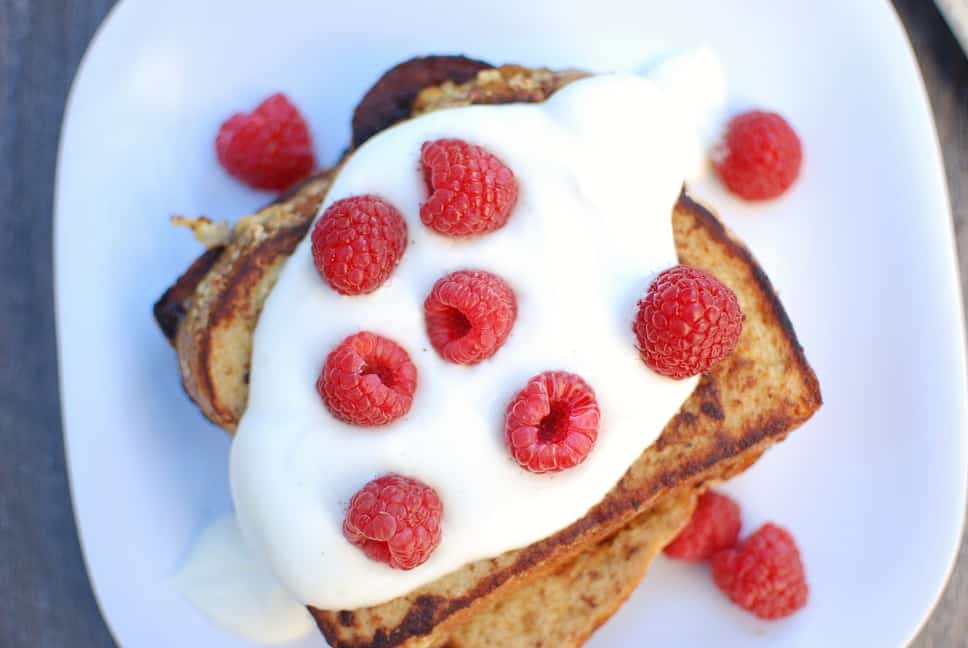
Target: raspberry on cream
{"x":367,"y":380}
{"x":552,"y":423}
{"x":470,"y":190}
{"x":469,"y":315}
{"x":395,"y":520}
{"x":357,"y":243}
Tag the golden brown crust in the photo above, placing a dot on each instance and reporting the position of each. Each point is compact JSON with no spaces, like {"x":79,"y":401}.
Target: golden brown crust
{"x":391,"y":98}
{"x":214,"y":339}
{"x":505,"y":84}
{"x":566,"y":606}
{"x":171,"y":307}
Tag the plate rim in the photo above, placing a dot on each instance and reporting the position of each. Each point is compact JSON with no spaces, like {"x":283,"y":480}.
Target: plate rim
{"x":958,"y":301}
{"x":99,"y":34}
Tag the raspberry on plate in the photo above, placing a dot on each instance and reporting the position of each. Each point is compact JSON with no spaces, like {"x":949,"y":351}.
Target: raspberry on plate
{"x":764,"y":574}
{"x":552,"y":423}
{"x":470,"y":190}
{"x":469,"y":315}
{"x":357,"y":243}
{"x":395,"y":520}
{"x":269,"y":148}
{"x":759,"y":157}
{"x":714,"y":526}
{"x":368,"y":380}
{"x":687,"y":322}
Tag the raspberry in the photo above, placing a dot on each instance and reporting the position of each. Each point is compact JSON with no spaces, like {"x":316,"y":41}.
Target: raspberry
{"x":759,"y":158}
{"x":469,"y":315}
{"x":357,"y":243}
{"x":714,"y":525}
{"x":367,"y":380}
{"x":269,"y":148}
{"x":763,"y":574}
{"x":552,"y":423}
{"x":395,"y":520}
{"x":687,"y":322}
{"x":471,"y":191}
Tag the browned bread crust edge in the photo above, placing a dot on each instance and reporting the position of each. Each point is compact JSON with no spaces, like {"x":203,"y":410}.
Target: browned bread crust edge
{"x":575,"y":598}
{"x":391,"y":98}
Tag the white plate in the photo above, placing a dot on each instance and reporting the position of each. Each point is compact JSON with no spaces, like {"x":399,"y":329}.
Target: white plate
{"x":861,"y":251}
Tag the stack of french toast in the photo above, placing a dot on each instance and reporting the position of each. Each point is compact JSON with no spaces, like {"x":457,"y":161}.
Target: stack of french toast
{"x":557,"y":591}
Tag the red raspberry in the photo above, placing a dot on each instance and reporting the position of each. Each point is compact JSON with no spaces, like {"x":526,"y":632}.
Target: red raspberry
{"x":395,"y":520}
{"x":367,"y":380}
{"x":469,"y":315}
{"x":552,"y":423}
{"x":759,"y":158}
{"x":357,"y":243}
{"x":471,"y":191}
{"x":763,"y":574}
{"x":687,"y":322}
{"x":714,"y":525}
{"x":269,"y":148}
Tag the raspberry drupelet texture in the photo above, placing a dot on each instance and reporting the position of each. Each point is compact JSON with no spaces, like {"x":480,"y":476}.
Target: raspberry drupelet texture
{"x":764,"y":574}
{"x":469,"y":315}
{"x":470,"y":190}
{"x":714,"y":526}
{"x":552,"y":423}
{"x":367,"y":380}
{"x":357,"y":243}
{"x":759,"y":156}
{"x":269,"y":148}
{"x":687,"y":322}
{"x":395,"y":520}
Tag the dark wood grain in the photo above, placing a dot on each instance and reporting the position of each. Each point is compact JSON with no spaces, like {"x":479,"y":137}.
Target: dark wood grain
{"x":47,"y":600}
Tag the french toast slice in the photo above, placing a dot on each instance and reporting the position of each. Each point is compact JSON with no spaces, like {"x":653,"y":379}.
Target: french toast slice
{"x":748,"y":402}
{"x":565,"y":607}
{"x":210,"y":312}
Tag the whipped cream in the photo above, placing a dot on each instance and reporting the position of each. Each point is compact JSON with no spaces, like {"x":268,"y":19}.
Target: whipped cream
{"x":237,"y":591}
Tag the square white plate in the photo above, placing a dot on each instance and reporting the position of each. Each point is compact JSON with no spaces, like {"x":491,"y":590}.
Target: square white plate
{"x":861,"y":251}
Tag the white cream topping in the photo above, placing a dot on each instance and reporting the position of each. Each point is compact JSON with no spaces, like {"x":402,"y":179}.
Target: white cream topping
{"x":599,"y":166}
{"x":236,"y":590}
{"x":696,"y":82}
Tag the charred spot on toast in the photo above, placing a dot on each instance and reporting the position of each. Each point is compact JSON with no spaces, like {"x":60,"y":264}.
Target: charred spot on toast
{"x":390,"y":100}
{"x":346,"y":618}
{"x":172,"y":306}
{"x":708,"y":395}
{"x":421,"y":618}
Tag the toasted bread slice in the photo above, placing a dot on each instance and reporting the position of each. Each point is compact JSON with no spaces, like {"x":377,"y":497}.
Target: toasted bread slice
{"x":210,"y":312}
{"x":748,"y":402}
{"x":565,"y":607}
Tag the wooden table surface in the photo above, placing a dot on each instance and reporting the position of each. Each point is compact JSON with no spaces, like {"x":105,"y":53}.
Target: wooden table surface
{"x":47,"y":601}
